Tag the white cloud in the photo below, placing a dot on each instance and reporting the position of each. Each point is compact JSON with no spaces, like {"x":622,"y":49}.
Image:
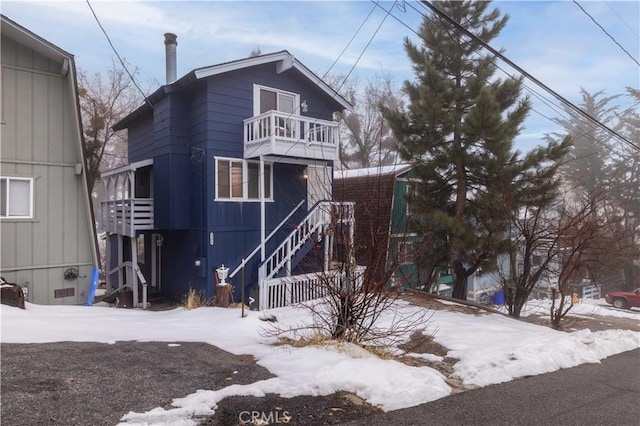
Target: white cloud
{"x":554,"y":41}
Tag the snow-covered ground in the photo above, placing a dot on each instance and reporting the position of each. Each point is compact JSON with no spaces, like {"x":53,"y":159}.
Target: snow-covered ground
{"x":586,"y":308}
{"x":490,"y":349}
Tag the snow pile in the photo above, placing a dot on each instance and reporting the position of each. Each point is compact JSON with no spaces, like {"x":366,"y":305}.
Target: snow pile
{"x":490,"y":349}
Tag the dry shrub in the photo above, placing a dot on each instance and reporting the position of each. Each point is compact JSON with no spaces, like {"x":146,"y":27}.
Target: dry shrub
{"x":319,"y":339}
{"x":195,"y":299}
{"x":314,"y":340}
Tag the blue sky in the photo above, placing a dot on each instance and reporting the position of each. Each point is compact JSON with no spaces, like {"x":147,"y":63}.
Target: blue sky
{"x":554,"y":41}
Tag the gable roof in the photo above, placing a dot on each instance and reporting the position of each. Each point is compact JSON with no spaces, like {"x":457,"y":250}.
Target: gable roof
{"x":33,"y":41}
{"x":283,"y":61}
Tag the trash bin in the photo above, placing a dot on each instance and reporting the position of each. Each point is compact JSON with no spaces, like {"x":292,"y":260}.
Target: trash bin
{"x":498,"y":298}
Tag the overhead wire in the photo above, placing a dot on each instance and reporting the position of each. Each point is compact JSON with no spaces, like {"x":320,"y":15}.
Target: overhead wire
{"x":583,"y":132}
{"x":335,"y":90}
{"x":522,"y":71}
{"x":500,"y":68}
{"x":124,"y":66}
{"x":622,"y":20}
{"x":606,"y":32}
{"x":349,"y":43}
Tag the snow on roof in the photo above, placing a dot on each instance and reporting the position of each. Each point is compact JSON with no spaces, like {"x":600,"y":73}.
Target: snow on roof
{"x":371,"y":171}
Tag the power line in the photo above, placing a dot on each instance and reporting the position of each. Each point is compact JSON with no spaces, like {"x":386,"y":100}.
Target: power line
{"x":117,"y":54}
{"x":336,"y":91}
{"x":606,"y":32}
{"x":525,"y":73}
{"x":622,"y":20}
{"x":350,"y":41}
{"x":538,"y":95}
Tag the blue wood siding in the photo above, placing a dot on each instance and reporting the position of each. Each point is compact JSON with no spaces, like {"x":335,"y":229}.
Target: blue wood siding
{"x":189,"y":127}
{"x":236,"y":225}
{"x":140,"y":140}
{"x":179,"y":273}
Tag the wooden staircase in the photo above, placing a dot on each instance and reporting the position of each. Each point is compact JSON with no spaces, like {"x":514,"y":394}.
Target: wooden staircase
{"x":326,"y":215}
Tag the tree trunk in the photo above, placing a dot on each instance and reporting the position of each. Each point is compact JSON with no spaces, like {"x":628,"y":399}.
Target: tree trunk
{"x":460,"y":281}
{"x":223,"y":294}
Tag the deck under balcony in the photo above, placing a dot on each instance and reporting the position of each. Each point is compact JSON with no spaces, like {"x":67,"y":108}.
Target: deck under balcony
{"x":128,"y":206}
{"x":281,"y":134}
{"x":125,"y":217}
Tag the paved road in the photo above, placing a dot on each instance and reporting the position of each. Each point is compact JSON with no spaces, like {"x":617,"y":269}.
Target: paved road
{"x":590,"y":394}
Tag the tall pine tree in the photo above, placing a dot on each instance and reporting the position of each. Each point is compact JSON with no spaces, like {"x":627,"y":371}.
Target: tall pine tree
{"x":458,"y":128}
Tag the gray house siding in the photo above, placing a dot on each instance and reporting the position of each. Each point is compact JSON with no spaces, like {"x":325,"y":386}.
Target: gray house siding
{"x":41,"y":141}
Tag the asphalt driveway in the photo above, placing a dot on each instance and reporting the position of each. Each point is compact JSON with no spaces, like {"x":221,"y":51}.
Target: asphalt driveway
{"x":96,"y":384}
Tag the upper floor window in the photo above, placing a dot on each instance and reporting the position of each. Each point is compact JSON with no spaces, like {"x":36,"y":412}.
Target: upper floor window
{"x":238,"y":180}
{"x":268,"y":99}
{"x":16,"y":197}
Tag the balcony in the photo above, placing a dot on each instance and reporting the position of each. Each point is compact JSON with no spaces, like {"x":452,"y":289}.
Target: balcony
{"x":125,"y":217}
{"x":282,"y":134}
{"x":127,"y":203}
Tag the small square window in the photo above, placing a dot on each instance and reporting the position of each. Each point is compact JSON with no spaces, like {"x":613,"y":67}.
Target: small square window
{"x":16,"y":197}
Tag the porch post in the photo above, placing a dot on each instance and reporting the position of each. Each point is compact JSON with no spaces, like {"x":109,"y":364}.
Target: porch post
{"x":326,"y":248}
{"x":120,"y":261}
{"x":262,"y":209}
{"x":107,"y":262}
{"x":352,"y":255}
{"x":134,"y":275}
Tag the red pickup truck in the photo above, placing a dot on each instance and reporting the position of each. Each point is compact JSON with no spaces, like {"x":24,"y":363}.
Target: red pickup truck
{"x":624,"y":299}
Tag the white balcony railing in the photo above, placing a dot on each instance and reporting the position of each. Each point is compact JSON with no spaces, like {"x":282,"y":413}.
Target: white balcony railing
{"x":282,"y":134}
{"x":125,"y":217}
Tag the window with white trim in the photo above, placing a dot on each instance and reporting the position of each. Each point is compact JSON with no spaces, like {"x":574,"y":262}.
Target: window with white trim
{"x":238,"y":180}
{"x":270,"y":99}
{"x":16,"y":197}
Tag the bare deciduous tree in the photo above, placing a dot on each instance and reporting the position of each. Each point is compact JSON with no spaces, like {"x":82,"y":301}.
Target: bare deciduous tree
{"x":600,"y":163}
{"x":586,"y":236}
{"x":367,"y":139}
{"x":356,"y":305}
{"x":104,"y":100}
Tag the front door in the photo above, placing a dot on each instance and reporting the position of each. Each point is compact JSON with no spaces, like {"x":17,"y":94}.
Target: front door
{"x":319,"y":179}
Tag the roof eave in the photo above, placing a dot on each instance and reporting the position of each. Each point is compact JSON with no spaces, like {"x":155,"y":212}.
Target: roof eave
{"x":284,"y":61}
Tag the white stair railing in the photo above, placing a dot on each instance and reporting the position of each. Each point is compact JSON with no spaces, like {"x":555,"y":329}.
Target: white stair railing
{"x":318,"y":219}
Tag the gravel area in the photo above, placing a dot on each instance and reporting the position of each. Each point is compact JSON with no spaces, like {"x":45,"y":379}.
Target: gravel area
{"x":96,"y":384}
{"x":301,"y":410}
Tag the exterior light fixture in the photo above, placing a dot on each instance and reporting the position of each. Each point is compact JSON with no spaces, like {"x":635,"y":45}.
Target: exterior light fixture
{"x":304,"y":107}
{"x":223,"y":273}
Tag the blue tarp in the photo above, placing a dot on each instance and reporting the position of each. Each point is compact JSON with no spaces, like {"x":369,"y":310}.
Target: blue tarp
{"x":94,"y":286}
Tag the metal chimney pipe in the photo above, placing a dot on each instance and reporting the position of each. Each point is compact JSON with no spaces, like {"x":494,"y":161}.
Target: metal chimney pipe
{"x":170,"y":44}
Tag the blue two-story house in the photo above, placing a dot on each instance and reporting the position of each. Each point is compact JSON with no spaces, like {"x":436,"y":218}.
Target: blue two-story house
{"x":230,"y":162}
